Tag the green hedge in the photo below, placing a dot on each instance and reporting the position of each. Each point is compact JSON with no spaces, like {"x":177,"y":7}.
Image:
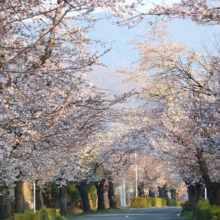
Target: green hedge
{"x":146,"y":202}
{"x":59,"y":217}
{"x":204,"y":211}
{"x":49,"y":213}
{"x":140,"y":202}
{"x":159,"y":202}
{"x":170,"y":202}
{"x":18,"y":216}
{"x":45,"y":214}
{"x":179,"y":203}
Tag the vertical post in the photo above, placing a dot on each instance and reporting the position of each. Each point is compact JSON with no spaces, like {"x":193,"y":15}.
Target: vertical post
{"x":124,"y":193}
{"x":34,"y":197}
{"x":136,"y":187}
{"x":129,"y":193}
{"x":205,"y":193}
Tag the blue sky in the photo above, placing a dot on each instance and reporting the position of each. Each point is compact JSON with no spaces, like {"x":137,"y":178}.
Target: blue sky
{"x":185,"y":31}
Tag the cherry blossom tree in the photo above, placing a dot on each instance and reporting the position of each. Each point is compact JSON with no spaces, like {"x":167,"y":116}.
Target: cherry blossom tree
{"x":201,"y":12}
{"x":40,"y":55}
{"x":180,"y":88}
{"x":47,"y":107}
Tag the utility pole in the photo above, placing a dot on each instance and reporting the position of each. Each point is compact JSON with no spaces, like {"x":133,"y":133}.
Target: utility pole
{"x":34,"y":197}
{"x":124,"y":193}
{"x":136,"y":178}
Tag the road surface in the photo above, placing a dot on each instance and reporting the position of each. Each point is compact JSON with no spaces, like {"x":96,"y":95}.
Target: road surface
{"x":166,"y":213}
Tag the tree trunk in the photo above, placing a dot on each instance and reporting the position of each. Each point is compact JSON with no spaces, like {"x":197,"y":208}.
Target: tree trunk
{"x":63,"y":200}
{"x":141,"y":189}
{"x":5,"y":205}
{"x":213,"y":189}
{"x":19,"y":197}
{"x":213,"y":192}
{"x":199,"y":192}
{"x":39,"y":198}
{"x":177,"y":196}
{"x":55,"y":199}
{"x":28,"y":195}
{"x":191,"y":193}
{"x":195,"y":193}
{"x":47,"y":197}
{"x":151,"y":192}
{"x":160,"y":191}
{"x":83,"y":189}
{"x":111,"y":196}
{"x":163,"y":191}
{"x":100,"y":192}
{"x":198,"y":195}
{"x":174,"y":194}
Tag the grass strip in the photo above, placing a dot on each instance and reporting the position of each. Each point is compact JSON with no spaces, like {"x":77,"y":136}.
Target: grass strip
{"x":93,"y":211}
{"x":187,"y":214}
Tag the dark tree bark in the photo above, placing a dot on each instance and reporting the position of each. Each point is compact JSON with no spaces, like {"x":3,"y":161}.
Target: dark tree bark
{"x":160,"y":191}
{"x":5,"y":205}
{"x":191,"y":193}
{"x":47,"y":197}
{"x":199,"y":189}
{"x":195,"y":193}
{"x":151,"y":192}
{"x":177,"y":196}
{"x":39,"y":198}
{"x":83,"y":189}
{"x":63,"y":200}
{"x":199,"y":192}
{"x":100,"y":192}
{"x":111,"y":196}
{"x":55,"y":199}
{"x":174,"y":194}
{"x":213,"y":188}
{"x":141,"y":189}
{"x":19,"y":197}
{"x":163,"y":191}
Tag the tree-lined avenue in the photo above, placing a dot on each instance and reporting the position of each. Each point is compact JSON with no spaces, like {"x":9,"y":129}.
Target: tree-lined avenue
{"x":165,"y":213}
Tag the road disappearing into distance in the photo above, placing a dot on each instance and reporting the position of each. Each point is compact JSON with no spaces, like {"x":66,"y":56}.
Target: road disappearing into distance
{"x":165,"y":213}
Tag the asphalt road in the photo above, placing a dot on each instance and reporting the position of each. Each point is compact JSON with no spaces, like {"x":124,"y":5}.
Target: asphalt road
{"x":166,"y":213}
